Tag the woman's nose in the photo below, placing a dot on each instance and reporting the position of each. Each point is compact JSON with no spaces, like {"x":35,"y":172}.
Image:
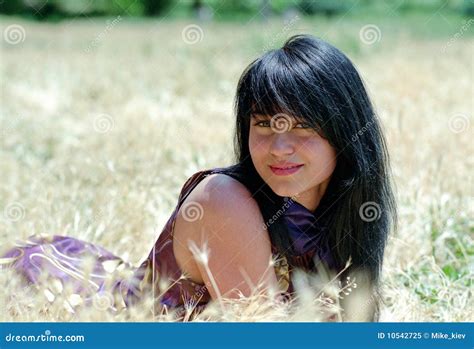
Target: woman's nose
{"x":282,"y":145}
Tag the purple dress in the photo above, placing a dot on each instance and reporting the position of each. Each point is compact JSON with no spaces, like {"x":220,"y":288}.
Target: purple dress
{"x":95,"y":273}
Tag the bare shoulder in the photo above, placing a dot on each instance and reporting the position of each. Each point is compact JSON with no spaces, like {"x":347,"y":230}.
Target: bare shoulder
{"x":220,"y":192}
{"x":222,"y":214}
{"x":218,"y":201}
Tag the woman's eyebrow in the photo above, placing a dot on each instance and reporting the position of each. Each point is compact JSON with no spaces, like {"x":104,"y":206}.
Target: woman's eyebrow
{"x":282,"y":115}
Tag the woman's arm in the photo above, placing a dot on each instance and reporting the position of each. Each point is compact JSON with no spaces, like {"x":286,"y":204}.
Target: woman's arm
{"x":228,"y":248}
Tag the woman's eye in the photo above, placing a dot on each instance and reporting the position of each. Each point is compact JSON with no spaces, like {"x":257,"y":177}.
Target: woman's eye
{"x":299,"y":125}
{"x":262,"y":123}
{"x":302,"y":125}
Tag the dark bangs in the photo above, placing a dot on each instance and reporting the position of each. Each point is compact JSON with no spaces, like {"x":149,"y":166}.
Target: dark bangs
{"x":280,"y":83}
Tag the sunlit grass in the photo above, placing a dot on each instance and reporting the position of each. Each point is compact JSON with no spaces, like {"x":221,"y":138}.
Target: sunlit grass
{"x":97,"y":140}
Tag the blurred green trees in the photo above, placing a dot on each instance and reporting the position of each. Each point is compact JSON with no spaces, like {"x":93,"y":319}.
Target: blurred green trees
{"x":221,"y":9}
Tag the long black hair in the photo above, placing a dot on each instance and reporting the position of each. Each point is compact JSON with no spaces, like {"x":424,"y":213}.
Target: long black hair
{"x":312,"y":80}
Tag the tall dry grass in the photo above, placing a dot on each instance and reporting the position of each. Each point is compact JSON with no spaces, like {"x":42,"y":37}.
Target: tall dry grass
{"x":103,"y":122}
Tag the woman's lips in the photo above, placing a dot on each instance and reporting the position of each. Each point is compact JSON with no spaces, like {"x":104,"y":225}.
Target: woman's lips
{"x":285,"y":170}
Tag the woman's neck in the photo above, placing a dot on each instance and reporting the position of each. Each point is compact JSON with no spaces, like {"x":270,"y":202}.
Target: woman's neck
{"x":311,"y":198}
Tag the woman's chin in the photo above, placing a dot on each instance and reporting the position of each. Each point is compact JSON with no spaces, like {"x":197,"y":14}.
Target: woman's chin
{"x":283,"y":191}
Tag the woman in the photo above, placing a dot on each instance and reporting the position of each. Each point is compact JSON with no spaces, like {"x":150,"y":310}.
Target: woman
{"x":311,"y":186}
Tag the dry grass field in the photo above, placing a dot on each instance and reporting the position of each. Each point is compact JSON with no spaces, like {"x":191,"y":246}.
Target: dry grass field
{"x":102,"y":121}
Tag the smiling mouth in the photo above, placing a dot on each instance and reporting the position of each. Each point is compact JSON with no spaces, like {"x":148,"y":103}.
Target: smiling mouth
{"x":285,"y":167}
{"x":286,"y":170}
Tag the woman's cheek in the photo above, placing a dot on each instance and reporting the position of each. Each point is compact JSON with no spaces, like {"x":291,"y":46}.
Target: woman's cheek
{"x":312,"y":141}
{"x":257,"y":144}
{"x":320,"y":146}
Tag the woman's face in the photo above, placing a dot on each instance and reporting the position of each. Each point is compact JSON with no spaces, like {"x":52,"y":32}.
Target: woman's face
{"x":279,"y":142}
